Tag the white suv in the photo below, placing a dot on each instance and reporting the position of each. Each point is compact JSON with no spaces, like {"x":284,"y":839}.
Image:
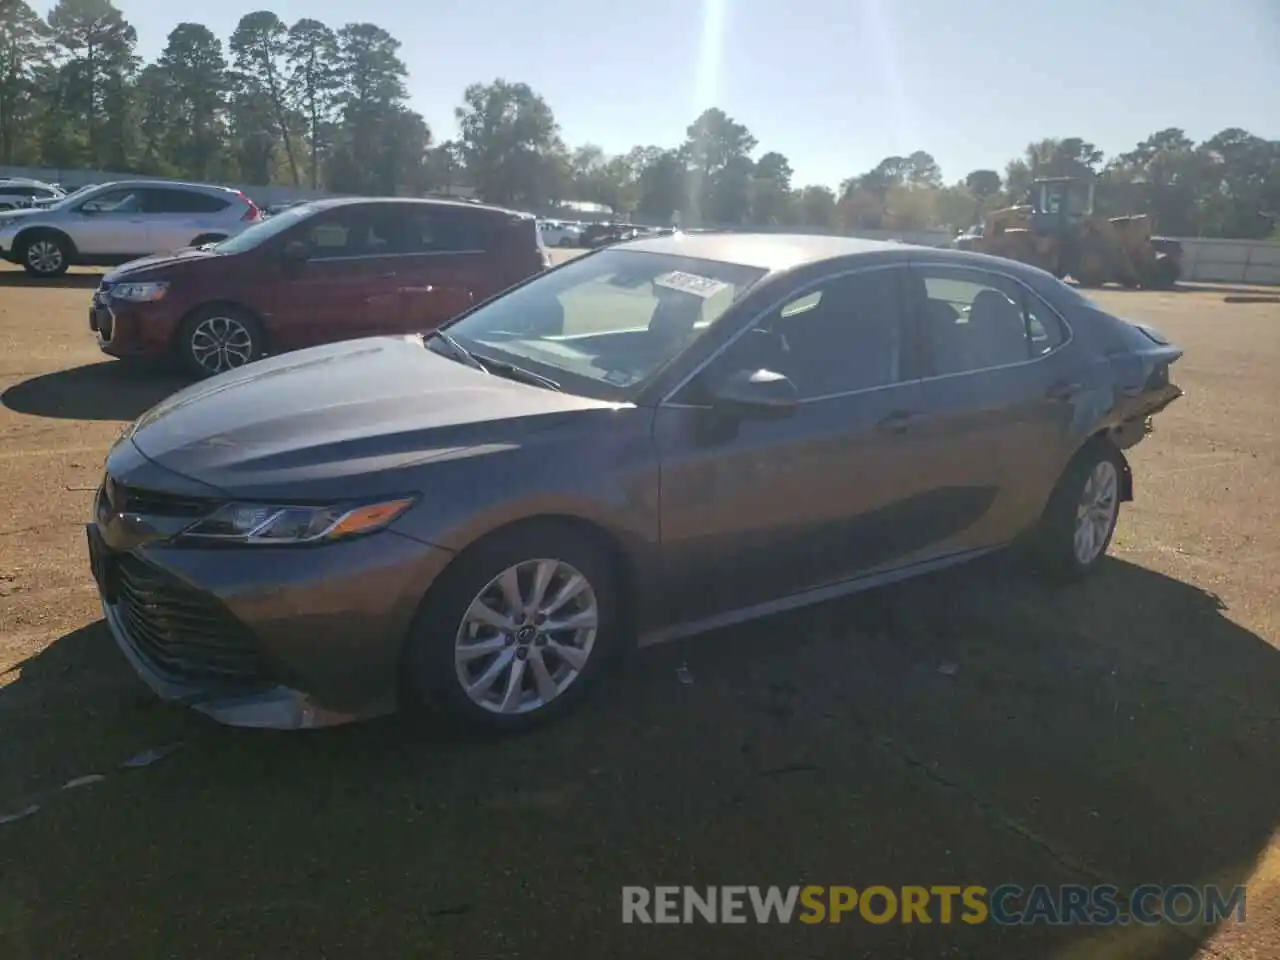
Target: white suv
{"x":113,"y":223}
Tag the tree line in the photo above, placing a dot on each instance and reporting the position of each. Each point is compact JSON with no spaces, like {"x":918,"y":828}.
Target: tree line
{"x":308,"y":104}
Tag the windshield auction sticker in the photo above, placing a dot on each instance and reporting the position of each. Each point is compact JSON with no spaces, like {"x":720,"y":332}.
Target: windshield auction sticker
{"x":691,"y":283}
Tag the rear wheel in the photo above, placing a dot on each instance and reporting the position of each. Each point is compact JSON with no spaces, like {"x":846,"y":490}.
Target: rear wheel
{"x":1164,"y":275}
{"x":517,"y":631}
{"x":219,"y":338}
{"x":1080,"y":518}
{"x":46,"y":254}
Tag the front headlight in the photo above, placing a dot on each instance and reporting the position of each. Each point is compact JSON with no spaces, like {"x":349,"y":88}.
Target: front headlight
{"x":268,"y":523}
{"x":140,"y":292}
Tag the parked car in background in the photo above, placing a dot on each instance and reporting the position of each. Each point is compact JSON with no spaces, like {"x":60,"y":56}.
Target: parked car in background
{"x":602,"y":234}
{"x":113,"y":223}
{"x":317,"y":272}
{"x":648,"y":441}
{"x":558,"y":233}
{"x":18,"y":193}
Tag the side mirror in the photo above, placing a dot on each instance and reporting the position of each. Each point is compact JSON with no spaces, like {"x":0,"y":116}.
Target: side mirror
{"x":295,"y":251}
{"x":758,"y":394}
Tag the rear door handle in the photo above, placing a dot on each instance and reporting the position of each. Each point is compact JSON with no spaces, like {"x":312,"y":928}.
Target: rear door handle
{"x":897,"y":421}
{"x":1064,"y":391}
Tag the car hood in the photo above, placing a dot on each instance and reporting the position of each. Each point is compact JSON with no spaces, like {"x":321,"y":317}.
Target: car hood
{"x":341,"y":419}
{"x":158,"y":263}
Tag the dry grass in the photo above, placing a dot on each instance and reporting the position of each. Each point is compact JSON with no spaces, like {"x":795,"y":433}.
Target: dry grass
{"x":1124,"y":730}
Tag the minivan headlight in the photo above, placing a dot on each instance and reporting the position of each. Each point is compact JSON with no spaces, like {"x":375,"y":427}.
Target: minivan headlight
{"x":139,"y":292}
{"x":261,"y":523}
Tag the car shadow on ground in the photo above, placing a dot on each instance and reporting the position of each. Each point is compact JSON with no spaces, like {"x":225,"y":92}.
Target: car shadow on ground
{"x":111,"y":390}
{"x":20,"y":278}
{"x":975,"y":727}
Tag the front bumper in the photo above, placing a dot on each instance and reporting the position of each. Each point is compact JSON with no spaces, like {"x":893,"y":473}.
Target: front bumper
{"x":126,"y":329}
{"x":280,"y":638}
{"x":271,"y":708}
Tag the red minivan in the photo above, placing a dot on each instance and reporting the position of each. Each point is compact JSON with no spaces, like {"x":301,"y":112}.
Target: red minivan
{"x":318,"y":272}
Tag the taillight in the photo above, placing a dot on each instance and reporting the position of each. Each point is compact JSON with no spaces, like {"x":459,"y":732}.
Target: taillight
{"x":253,"y":214}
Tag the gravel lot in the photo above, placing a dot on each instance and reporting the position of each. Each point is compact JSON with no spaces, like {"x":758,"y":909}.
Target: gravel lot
{"x":1122,"y":731}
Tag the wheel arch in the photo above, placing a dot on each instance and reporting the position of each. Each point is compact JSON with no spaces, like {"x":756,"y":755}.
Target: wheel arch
{"x":29,"y":233}
{"x":622,"y":561}
{"x":225,"y":302}
{"x":210,"y":237}
{"x":1102,"y":437}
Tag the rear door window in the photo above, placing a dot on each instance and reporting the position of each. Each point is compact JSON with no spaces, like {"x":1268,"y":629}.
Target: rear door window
{"x":974,"y":320}
{"x":439,"y":231}
{"x":166,"y":200}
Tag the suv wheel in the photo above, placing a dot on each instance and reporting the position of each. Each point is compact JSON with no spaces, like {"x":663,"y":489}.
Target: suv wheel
{"x":219,"y":338}
{"x":46,"y":255}
{"x":517,"y":631}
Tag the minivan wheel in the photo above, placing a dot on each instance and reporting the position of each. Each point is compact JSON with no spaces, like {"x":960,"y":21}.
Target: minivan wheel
{"x":46,"y":255}
{"x":1081,"y":516}
{"x":517,"y":631}
{"x":219,"y":338}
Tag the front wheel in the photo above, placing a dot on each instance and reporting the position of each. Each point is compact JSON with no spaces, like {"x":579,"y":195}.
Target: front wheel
{"x":1080,"y":518}
{"x":46,"y":255}
{"x":517,"y":631}
{"x":219,"y":338}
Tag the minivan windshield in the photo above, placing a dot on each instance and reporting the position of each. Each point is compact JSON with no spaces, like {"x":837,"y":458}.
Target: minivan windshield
{"x":604,"y":325}
{"x":264,"y":230}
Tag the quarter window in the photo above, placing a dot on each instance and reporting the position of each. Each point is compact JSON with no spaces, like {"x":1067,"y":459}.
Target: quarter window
{"x":971,"y":320}
{"x":182,"y":201}
{"x":841,"y":336}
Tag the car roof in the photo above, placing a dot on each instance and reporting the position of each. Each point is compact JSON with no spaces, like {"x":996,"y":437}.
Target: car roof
{"x":328,"y":203}
{"x":778,"y":252}
{"x":180,"y":184}
{"x":769,"y":251}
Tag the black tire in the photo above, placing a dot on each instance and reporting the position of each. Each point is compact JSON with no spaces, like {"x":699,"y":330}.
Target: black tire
{"x":564,"y":242}
{"x":1164,"y":275}
{"x":1053,"y":542}
{"x":208,"y":238}
{"x":243,"y":339}
{"x":46,"y":254}
{"x":429,"y":675}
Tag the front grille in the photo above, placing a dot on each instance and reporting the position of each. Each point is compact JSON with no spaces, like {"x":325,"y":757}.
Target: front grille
{"x":185,"y":633}
{"x":156,"y":503}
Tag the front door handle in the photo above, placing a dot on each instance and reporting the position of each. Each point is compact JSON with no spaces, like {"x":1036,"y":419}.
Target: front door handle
{"x":897,"y":421}
{"x":1061,"y":390}
{"x":384,"y":276}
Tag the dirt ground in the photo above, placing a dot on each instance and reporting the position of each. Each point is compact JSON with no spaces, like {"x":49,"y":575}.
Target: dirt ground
{"x":972,"y":728}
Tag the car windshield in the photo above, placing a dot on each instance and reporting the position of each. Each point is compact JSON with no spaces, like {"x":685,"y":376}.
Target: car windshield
{"x":264,"y":230}
{"x":604,"y":325}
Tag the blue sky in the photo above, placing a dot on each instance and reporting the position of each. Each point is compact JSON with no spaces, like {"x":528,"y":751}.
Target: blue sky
{"x":834,"y":84}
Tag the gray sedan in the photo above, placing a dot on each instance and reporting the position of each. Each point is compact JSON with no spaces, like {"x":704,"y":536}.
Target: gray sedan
{"x":651,"y":440}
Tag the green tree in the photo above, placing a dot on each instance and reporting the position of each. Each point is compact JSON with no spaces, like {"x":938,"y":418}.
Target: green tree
{"x":93,"y":85}
{"x":660,"y":185}
{"x":314,"y":82}
{"x":260,"y":48}
{"x":817,"y":207}
{"x":381,"y":145}
{"x":718,"y":150}
{"x":25,"y":54}
{"x":771,"y":201}
{"x":983,"y":184}
{"x":196,"y":70}
{"x":509,"y":138}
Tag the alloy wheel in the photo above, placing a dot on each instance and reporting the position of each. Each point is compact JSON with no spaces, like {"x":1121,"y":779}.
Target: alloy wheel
{"x":1096,"y":512}
{"x":44,"y":256}
{"x":221,"y":343}
{"x":526,"y":637}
